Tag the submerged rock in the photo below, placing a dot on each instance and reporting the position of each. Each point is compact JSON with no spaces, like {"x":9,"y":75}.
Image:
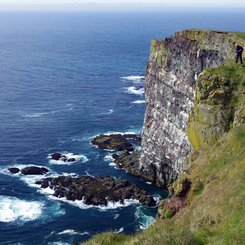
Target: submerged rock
{"x":96,"y":191}
{"x":118,"y":142}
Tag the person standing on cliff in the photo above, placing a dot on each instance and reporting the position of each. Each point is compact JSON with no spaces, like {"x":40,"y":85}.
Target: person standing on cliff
{"x":239,"y":51}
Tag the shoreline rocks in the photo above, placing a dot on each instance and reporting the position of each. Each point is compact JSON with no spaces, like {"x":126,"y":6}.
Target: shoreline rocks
{"x":61,"y":157}
{"x":130,"y":162}
{"x":117,"y":142}
{"x":97,"y":191}
{"x":32,"y":170}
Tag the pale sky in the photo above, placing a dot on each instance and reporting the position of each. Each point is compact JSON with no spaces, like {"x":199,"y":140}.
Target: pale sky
{"x":90,"y":4}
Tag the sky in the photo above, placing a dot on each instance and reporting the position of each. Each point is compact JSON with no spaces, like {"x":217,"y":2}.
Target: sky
{"x":126,"y":4}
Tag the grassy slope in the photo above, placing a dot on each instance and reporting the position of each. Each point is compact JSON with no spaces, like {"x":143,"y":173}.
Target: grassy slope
{"x":215,"y":213}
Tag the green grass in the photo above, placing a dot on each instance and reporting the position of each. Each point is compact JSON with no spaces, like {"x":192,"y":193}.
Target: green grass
{"x":240,"y":35}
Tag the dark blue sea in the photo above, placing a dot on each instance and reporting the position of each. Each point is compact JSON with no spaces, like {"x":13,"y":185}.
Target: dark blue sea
{"x":64,"y":78}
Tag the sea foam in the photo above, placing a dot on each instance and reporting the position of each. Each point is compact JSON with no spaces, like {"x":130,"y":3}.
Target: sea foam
{"x":111,"y":205}
{"x":138,"y":102}
{"x":72,"y":232}
{"x":132,"y":78}
{"x":134,"y":90}
{"x":13,"y":209}
{"x":77,"y":158}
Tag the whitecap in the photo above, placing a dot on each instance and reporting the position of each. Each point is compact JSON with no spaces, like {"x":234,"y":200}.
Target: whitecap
{"x":119,"y":230}
{"x":133,"y":78}
{"x":134,"y":90}
{"x":108,"y":112}
{"x":77,"y":158}
{"x":138,"y":102}
{"x":72,"y":232}
{"x":13,"y":209}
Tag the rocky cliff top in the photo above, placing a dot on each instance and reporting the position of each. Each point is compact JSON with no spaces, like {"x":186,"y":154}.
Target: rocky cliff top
{"x":189,"y":52}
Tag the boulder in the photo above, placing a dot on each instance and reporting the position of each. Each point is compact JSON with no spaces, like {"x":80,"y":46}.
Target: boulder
{"x":14,"y":170}
{"x":33,"y":170}
{"x":56,"y":156}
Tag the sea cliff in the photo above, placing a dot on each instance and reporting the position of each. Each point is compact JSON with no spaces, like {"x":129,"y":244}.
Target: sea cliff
{"x":171,"y":77}
{"x":193,"y":140}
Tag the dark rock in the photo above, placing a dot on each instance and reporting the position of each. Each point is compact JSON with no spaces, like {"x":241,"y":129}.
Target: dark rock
{"x":61,"y":157}
{"x":96,"y":191}
{"x":56,"y":156}
{"x":33,"y":170}
{"x":115,"y":156}
{"x":129,"y":161}
{"x":13,"y":170}
{"x":71,"y":159}
{"x":118,"y":142}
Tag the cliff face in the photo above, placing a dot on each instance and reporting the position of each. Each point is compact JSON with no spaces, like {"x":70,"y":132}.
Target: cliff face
{"x":171,"y":77}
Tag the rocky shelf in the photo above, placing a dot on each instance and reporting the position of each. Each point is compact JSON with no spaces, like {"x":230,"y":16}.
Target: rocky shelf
{"x":97,"y":191}
{"x":117,"y":142}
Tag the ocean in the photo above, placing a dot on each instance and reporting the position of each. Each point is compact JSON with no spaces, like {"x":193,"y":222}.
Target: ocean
{"x":64,"y":78}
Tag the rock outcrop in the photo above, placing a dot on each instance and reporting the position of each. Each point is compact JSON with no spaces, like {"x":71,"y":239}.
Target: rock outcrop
{"x":171,"y":77}
{"x":117,"y":142}
{"x":32,"y":170}
{"x":96,"y":191}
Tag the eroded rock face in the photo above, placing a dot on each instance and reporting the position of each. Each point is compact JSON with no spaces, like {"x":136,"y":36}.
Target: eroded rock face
{"x":96,"y":191}
{"x":129,"y":161}
{"x":118,"y":142}
{"x":171,"y":75}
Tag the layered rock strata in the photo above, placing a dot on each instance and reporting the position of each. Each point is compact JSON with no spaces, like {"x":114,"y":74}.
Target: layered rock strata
{"x":171,"y":74}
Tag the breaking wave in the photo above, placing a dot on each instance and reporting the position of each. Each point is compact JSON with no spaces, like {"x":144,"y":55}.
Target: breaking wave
{"x":134,"y":90}
{"x":110,"y":205}
{"x":135,"y":79}
{"x":138,"y":102}
{"x":13,"y":209}
{"x":77,"y":158}
{"x":72,"y":232}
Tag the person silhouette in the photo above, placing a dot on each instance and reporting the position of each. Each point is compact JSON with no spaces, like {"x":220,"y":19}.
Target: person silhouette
{"x":239,"y":51}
